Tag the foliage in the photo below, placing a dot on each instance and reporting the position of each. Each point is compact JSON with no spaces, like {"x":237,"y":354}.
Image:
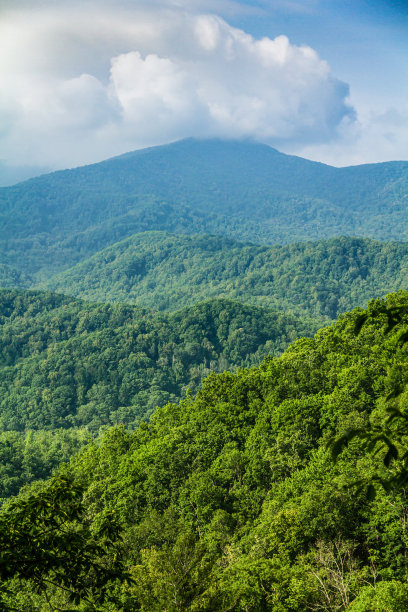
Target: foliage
{"x":46,"y":540}
{"x":227,"y":498}
{"x":32,"y":455}
{"x":386,"y":436}
{"x":165,"y":272}
{"x":230,"y":500}
{"x":68,"y":368}
{"x":11,"y":277}
{"x":389,"y":596}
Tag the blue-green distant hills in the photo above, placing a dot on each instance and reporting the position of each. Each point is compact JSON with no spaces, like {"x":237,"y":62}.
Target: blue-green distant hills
{"x":166,"y":272}
{"x":243,"y":190}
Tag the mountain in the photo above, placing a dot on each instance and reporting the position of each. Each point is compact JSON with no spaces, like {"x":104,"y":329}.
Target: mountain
{"x":231,"y":500}
{"x":166,"y":272}
{"x":238,"y":189}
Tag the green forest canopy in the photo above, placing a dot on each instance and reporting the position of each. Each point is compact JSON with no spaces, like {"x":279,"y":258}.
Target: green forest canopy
{"x":166,"y":272}
{"x":230,"y":500}
{"x":68,"y":367}
{"x":228,"y":497}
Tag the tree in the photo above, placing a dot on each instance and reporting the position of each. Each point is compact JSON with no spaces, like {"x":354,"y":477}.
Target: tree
{"x":387,"y":433}
{"x":48,"y":541}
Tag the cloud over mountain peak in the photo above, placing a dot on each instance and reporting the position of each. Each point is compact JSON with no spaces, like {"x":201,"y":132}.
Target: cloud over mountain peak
{"x":85,"y":84}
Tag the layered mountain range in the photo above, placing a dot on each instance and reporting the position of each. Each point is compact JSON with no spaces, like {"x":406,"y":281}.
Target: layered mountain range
{"x":165,"y":272}
{"x":168,"y":226}
{"x":158,"y":336}
{"x":242,"y":190}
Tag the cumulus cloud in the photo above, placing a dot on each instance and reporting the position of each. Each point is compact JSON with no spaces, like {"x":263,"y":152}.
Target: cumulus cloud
{"x":81,"y":83}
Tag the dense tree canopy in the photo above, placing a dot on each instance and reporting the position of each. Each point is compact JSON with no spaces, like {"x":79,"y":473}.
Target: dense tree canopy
{"x":162,"y":271}
{"x":191,"y":460}
{"x":68,"y":368}
{"x":65,"y":362}
{"x":230,"y":500}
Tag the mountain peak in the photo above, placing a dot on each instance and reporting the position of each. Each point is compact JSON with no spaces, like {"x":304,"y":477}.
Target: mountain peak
{"x":240,"y":189}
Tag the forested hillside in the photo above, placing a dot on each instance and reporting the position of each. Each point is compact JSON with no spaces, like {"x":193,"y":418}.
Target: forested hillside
{"x":11,"y":277}
{"x":165,"y":272}
{"x":209,"y":466}
{"x":239,"y":189}
{"x":68,"y":364}
{"x":231,"y":500}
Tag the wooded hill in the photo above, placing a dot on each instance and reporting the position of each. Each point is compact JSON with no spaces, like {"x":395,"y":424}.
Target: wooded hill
{"x":231,"y":500}
{"x":165,"y":272}
{"x":238,"y":189}
{"x":75,"y":365}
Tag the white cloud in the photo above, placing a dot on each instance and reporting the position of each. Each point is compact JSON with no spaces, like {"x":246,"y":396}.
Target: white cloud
{"x":374,"y":137}
{"x":81,"y":83}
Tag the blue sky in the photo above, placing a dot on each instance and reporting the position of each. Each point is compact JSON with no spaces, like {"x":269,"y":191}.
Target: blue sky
{"x":366,"y":43}
{"x":83,"y":81}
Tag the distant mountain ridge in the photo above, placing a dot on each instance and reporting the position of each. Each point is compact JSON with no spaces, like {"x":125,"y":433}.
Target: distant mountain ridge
{"x":244,"y":190}
{"x":166,"y":272}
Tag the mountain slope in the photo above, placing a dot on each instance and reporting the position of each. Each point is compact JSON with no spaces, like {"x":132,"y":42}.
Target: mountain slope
{"x":249,"y":191}
{"x":67,"y":363}
{"x":231,"y":500}
{"x":163,"y":271}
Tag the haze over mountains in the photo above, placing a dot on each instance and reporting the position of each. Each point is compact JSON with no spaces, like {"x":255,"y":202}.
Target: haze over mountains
{"x":184,"y":424}
{"x":167,"y":229}
{"x":243,"y":190}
